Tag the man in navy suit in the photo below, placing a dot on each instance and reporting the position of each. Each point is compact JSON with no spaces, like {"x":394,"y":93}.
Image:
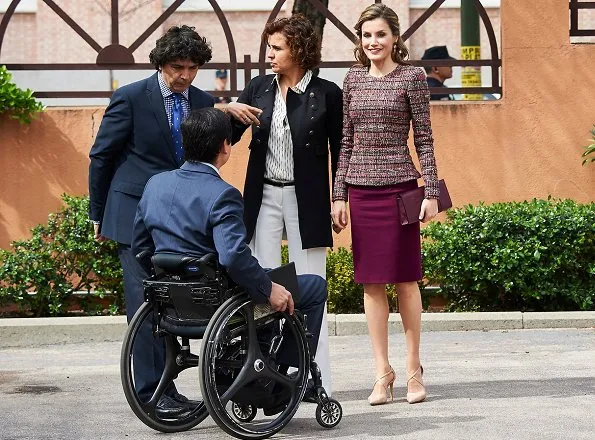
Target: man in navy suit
{"x":139,"y":137}
{"x":193,"y":211}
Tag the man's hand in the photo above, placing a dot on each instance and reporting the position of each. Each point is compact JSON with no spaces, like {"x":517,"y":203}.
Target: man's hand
{"x":244,"y":113}
{"x":97,"y":235}
{"x":281,"y":299}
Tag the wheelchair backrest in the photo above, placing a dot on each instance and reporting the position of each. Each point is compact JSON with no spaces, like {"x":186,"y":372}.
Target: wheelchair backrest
{"x":187,"y":288}
{"x":180,"y":265}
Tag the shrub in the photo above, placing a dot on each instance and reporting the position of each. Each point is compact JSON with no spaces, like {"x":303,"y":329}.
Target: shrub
{"x":344,"y":295}
{"x":60,"y":258}
{"x":589,"y":149}
{"x":19,"y":104}
{"x":528,"y":256}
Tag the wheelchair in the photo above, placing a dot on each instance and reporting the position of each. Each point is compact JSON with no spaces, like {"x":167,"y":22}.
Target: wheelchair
{"x":192,"y":306}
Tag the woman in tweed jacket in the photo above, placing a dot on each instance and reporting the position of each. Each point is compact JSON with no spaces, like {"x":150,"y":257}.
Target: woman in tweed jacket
{"x":381,"y":96}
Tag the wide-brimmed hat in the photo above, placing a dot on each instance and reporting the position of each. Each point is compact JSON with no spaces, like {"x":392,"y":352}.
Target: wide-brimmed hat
{"x":437,"y":53}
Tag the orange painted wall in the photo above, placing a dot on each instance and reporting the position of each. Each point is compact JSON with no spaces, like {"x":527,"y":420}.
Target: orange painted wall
{"x":526,"y":145}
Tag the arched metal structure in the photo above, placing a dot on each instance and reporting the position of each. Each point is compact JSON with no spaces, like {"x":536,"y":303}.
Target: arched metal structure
{"x":117,"y":56}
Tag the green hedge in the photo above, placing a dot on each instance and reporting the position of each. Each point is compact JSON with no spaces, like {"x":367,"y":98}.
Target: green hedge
{"x":528,"y":256}
{"x":59,"y":259}
{"x":17,"y":103}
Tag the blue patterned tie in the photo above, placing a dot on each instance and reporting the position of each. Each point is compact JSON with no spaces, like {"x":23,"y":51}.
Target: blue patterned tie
{"x":177,"y":115}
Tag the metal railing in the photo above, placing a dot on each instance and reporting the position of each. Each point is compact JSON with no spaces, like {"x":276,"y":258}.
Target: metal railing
{"x":115,"y":56}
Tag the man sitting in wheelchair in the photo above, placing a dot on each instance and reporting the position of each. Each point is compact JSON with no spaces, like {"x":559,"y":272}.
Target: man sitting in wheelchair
{"x":192,"y":211}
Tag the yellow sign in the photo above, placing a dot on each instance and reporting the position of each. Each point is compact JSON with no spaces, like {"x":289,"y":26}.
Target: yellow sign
{"x":471,"y":76}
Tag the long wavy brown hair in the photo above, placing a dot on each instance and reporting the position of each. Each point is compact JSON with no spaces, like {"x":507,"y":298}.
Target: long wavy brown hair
{"x":372,"y":12}
{"x":303,"y":42}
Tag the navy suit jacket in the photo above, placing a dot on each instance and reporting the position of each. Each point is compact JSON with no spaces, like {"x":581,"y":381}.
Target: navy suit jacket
{"x":133,"y":143}
{"x":193,"y":211}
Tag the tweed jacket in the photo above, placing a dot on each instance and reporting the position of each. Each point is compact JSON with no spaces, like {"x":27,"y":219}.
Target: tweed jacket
{"x":376,"y":116}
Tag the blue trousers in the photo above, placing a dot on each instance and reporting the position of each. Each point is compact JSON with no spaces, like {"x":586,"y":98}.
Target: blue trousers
{"x":148,"y":352}
{"x":313,"y":294}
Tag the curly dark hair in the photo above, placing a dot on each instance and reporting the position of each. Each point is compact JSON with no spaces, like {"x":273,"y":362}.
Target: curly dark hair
{"x":180,"y":43}
{"x":303,"y":42}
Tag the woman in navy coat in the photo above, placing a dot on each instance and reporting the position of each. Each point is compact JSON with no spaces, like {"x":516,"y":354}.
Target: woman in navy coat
{"x":296,"y":121}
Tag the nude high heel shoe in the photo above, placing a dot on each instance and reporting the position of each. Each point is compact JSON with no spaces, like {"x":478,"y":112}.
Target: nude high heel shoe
{"x":382,"y":398}
{"x":418,"y":396}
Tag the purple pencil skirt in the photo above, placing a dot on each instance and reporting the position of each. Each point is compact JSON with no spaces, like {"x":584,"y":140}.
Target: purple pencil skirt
{"x":384,"y":251}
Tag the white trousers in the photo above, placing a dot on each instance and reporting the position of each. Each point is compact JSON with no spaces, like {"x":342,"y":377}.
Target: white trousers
{"x":279,"y":210}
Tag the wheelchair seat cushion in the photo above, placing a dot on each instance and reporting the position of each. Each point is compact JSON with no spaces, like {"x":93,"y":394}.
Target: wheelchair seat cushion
{"x":189,"y":328}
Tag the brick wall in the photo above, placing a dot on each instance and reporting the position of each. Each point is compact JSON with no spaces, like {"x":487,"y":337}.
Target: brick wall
{"x":19,"y":44}
{"x":444,"y":28}
{"x":43,"y":37}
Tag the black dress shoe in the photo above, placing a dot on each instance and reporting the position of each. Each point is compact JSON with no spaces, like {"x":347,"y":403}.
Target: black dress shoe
{"x":168,"y":408}
{"x":310,"y":394}
{"x":184,"y":401}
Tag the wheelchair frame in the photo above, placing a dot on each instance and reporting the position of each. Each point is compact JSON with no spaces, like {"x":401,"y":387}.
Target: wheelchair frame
{"x":189,"y":298}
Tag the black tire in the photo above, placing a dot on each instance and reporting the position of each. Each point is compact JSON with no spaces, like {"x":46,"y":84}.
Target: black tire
{"x":146,"y":411}
{"x":233,"y":327}
{"x":244,"y":413}
{"x":329,"y":414}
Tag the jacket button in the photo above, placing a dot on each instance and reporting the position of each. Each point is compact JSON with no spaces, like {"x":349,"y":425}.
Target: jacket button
{"x":311,"y":132}
{"x":308,"y":145}
{"x":312,"y":95}
{"x":258,"y":141}
{"x":313,"y":106}
{"x":311,"y":118}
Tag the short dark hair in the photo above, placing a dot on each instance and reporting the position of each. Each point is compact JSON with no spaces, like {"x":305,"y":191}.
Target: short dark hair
{"x":203,"y":134}
{"x":180,"y":43}
{"x":303,"y":42}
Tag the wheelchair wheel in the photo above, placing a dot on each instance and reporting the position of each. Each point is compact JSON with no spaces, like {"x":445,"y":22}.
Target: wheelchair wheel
{"x":238,"y":366}
{"x":329,"y":414}
{"x":176,"y":362}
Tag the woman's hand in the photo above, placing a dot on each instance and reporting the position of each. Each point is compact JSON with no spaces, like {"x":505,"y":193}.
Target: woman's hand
{"x":244,"y":113}
{"x":429,"y":209}
{"x":339,"y":215}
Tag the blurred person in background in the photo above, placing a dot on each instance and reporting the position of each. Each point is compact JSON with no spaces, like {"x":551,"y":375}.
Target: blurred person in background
{"x":435,"y":76}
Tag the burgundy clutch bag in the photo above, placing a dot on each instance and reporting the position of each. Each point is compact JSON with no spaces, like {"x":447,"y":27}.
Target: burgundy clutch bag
{"x":409,"y":203}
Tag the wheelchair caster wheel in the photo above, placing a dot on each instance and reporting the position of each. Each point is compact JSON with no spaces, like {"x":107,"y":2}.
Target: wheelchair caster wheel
{"x":329,"y":414}
{"x":243,"y":413}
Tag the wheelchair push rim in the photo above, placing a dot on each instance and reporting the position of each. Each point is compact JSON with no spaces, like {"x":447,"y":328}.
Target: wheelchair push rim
{"x":146,"y":411}
{"x":234,"y":325}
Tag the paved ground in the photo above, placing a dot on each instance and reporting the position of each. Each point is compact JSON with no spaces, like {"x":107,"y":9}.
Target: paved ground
{"x":512,"y":384}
